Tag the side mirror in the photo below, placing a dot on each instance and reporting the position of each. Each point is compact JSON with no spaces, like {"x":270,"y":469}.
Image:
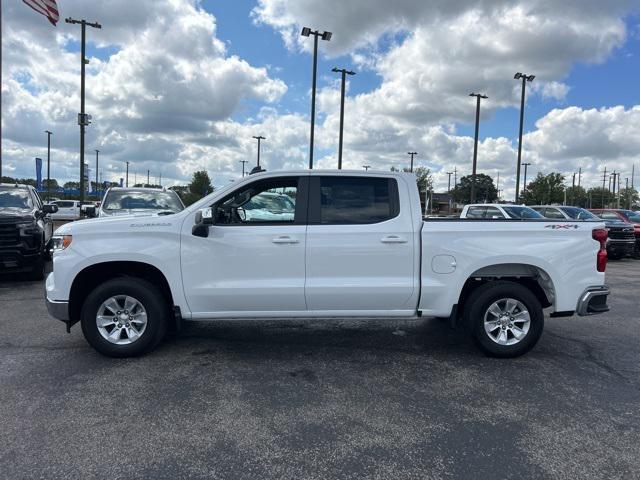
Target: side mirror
{"x":204,"y":218}
{"x":89,"y":210}
{"x":49,"y":208}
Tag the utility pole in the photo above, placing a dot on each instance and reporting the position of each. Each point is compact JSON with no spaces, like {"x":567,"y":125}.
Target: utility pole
{"x":412,"y":154}
{"x":243,"y":162}
{"x":498,"y":185}
{"x":525,"y":79}
{"x":127,"y":176}
{"x":455,"y":177}
{"x":573,"y":189}
{"x":524,"y":186}
{"x":148,"y":178}
{"x":83,"y":119}
{"x":633,"y":174}
{"x":344,"y":73}
{"x":306,"y":31}
{"x":97,"y":191}
{"x":579,"y":175}
{"x":478,"y":96}
{"x":48,"y":164}
{"x":449,"y":182}
{"x":618,"y":194}
{"x":604,"y":180}
{"x":259,"y":137}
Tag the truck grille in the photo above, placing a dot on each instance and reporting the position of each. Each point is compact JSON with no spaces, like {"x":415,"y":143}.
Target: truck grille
{"x":622,"y":234}
{"x":9,"y":233}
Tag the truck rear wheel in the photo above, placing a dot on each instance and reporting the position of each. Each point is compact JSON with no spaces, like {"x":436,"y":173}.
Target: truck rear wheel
{"x":505,"y":318}
{"x":124,"y":317}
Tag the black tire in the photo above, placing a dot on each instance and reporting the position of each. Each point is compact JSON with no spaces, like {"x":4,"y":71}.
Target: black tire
{"x":151,"y":299}
{"x":478,"y":304}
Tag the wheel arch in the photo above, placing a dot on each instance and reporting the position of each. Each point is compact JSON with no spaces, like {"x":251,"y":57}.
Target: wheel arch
{"x":92,"y":276}
{"x":536,"y":279}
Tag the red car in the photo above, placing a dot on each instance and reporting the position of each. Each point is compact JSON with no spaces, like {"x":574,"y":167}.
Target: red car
{"x":628,"y":216}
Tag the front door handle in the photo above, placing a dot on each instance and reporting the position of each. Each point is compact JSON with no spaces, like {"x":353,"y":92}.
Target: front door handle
{"x":285,"y":239}
{"x":393,"y":239}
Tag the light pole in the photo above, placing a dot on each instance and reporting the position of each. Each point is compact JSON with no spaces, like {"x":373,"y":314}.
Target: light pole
{"x":259,"y":137}
{"x":147,"y":178}
{"x":366,"y":167}
{"x":127,"y":176}
{"x":48,"y":164}
{"x":478,"y":96}
{"x":83,"y":119}
{"x":243,"y":162}
{"x":604,"y":181}
{"x":412,"y":154}
{"x":449,"y":182}
{"x":344,"y":73}
{"x":455,"y":177}
{"x":525,"y":79}
{"x":306,"y":31}
{"x":97,"y":191}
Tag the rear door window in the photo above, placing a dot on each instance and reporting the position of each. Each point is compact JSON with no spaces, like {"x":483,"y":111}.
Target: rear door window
{"x":353,"y":200}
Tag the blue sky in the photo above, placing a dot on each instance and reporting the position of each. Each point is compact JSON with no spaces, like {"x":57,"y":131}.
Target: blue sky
{"x":415,"y":97}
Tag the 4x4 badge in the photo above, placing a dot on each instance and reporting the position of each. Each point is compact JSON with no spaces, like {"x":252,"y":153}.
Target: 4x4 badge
{"x":562,"y":226}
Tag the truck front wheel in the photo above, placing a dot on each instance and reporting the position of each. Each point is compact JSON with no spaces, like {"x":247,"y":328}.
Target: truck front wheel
{"x":124,"y":317}
{"x":505,"y":318}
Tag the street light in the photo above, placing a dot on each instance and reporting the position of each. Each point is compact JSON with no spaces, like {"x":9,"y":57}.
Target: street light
{"x":127,"y":176}
{"x":366,"y":167}
{"x":478,"y":96}
{"x":344,"y":73}
{"x":259,"y":137}
{"x":243,"y":163}
{"x":326,"y":36}
{"x":412,"y":154}
{"x":525,"y":79}
{"x":83,"y":118}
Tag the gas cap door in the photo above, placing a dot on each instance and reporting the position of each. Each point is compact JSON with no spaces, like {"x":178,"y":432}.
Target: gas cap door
{"x":443,"y":264}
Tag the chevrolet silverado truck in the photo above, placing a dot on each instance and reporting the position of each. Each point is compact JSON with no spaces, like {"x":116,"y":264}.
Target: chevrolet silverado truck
{"x":26,"y":230}
{"x":356,"y":246}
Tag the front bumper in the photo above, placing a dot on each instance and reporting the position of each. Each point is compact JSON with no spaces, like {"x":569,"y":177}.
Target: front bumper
{"x":593,"y":301}
{"x":59,"y":310}
{"x":621,"y":247}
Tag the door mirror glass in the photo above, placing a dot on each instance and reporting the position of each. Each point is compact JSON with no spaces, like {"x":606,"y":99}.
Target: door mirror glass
{"x":49,"y":208}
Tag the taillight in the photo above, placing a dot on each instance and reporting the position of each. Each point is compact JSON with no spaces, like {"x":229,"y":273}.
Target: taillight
{"x":600,"y":235}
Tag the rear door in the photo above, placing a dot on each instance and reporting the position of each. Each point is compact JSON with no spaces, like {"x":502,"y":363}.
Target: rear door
{"x":360,"y":246}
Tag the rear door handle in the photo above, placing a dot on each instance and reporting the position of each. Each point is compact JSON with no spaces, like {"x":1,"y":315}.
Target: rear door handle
{"x":393,"y":239}
{"x":285,"y":239}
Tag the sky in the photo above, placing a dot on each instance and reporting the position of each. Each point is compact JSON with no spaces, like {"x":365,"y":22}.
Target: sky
{"x":176,"y":86}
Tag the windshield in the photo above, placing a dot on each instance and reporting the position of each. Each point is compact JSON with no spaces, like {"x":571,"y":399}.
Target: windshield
{"x":142,"y":200}
{"x":521,"y":212}
{"x":631,"y":215}
{"x":11,"y":197}
{"x":579,"y":213}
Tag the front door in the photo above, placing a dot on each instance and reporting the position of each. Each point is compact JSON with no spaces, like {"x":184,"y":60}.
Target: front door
{"x":361,"y":253}
{"x":253,"y":261}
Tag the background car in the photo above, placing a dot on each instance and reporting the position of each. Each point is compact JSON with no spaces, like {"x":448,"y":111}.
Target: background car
{"x":621,"y":241}
{"x":67,"y":210}
{"x":139,"y":201}
{"x":498,"y":211}
{"x":624,"y":215}
{"x":26,"y":230}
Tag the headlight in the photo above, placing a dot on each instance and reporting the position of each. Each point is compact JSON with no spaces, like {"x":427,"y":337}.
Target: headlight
{"x":60,"y":242}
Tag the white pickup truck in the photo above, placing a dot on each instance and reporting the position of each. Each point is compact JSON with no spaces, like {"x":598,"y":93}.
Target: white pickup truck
{"x":355,"y":246}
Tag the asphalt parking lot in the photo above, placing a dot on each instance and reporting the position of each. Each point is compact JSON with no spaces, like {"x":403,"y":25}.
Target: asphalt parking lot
{"x":322,"y":399}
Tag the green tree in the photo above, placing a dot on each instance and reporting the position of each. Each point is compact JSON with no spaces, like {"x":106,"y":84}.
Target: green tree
{"x":485,"y":189}
{"x":577,"y":196}
{"x":599,"y":197}
{"x":424,"y":177}
{"x":544,"y":189}
{"x":53,"y":184}
{"x":629,"y":198}
{"x":72,"y":185}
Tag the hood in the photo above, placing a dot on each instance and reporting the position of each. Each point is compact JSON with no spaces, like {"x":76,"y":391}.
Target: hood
{"x":124,"y":224}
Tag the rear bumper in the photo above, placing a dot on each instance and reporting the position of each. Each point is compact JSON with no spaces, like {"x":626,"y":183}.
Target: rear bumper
{"x":593,"y":301}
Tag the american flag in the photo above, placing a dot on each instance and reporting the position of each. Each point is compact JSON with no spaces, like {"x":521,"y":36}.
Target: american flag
{"x":48,"y":8}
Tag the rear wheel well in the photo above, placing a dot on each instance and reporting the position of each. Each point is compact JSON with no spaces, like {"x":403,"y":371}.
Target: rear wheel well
{"x":94,"y":275}
{"x":533,"y":278}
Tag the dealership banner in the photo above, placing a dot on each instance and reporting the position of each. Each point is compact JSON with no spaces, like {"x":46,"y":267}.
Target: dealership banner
{"x":39,"y":173}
